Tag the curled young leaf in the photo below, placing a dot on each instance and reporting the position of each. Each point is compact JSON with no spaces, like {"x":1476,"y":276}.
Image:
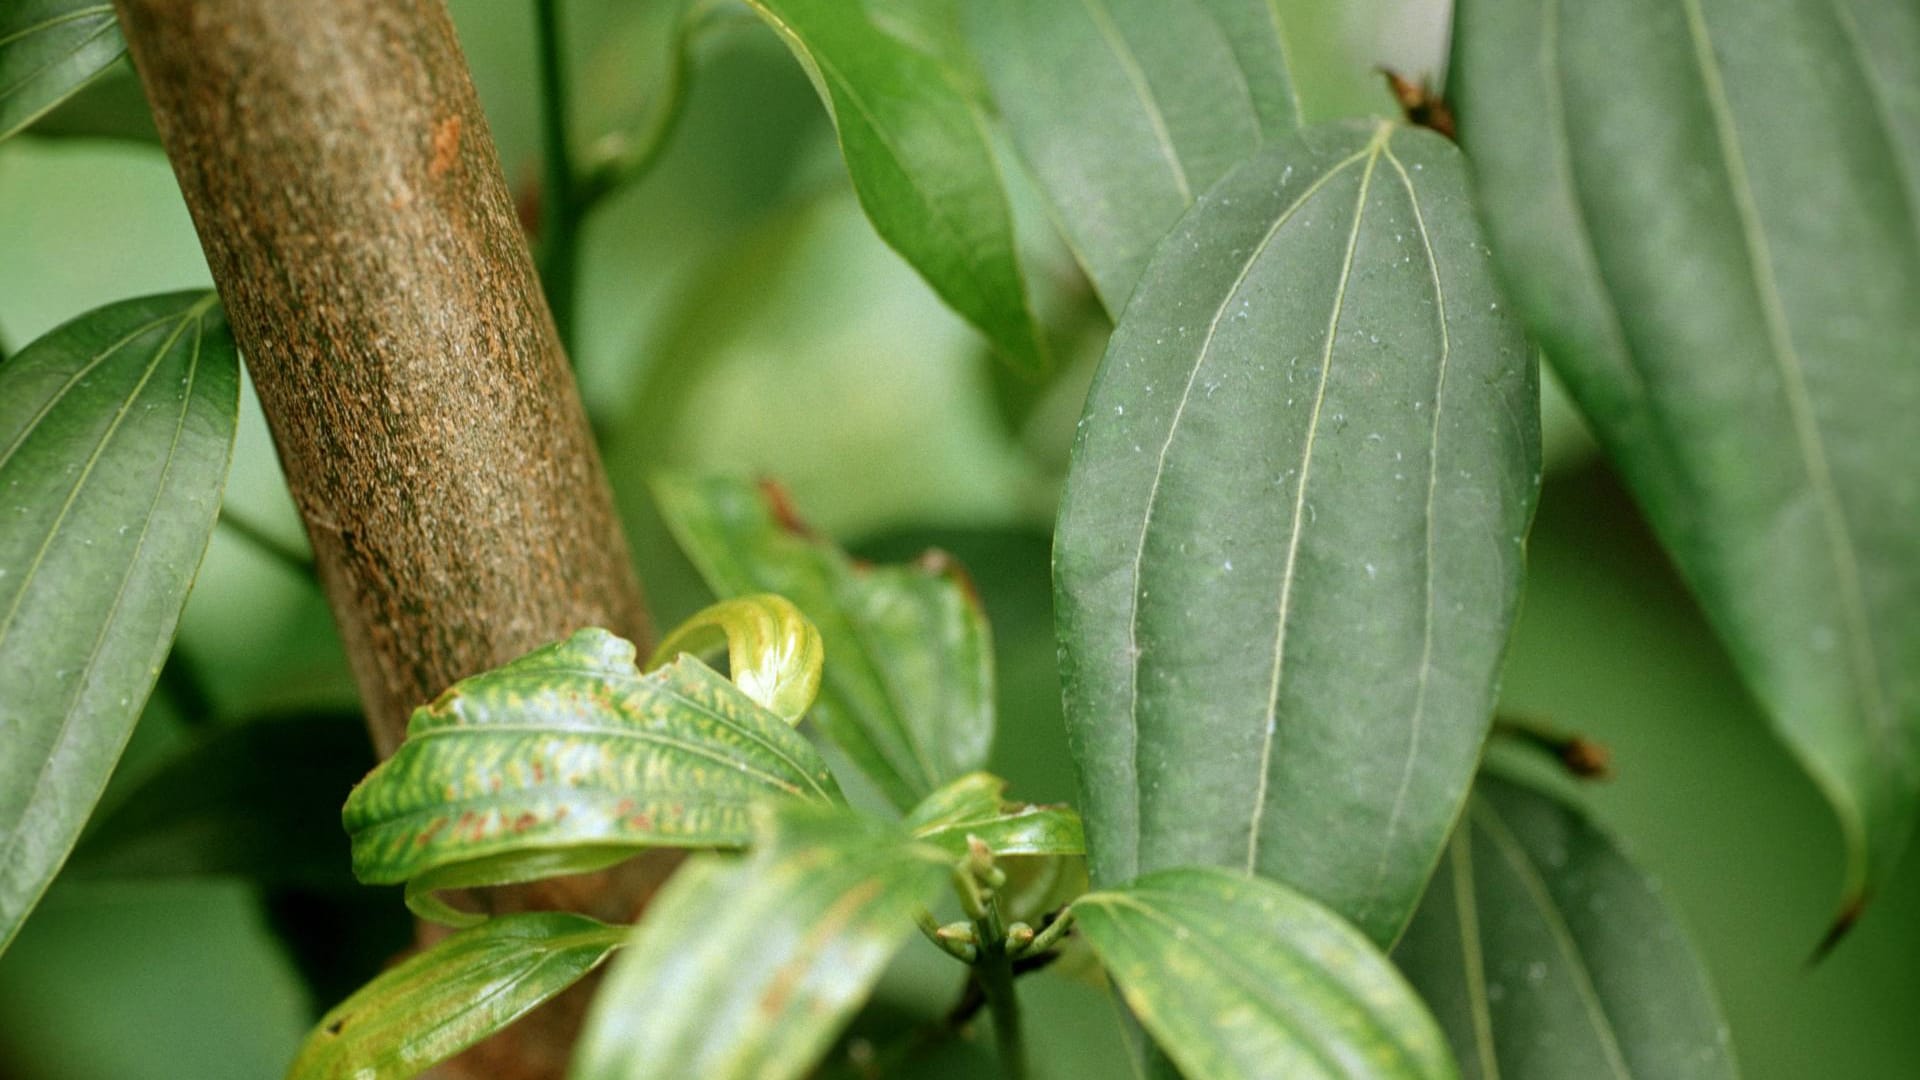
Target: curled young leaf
{"x":974,"y":806}
{"x":568,"y":759}
{"x":773,"y":652}
{"x":115,"y":433}
{"x":746,"y":967}
{"x":1238,"y":978}
{"x":437,"y":1003}
{"x":907,"y":688}
{"x":1545,"y":954}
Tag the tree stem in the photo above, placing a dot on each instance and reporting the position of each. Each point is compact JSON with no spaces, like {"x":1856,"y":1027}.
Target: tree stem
{"x":994,"y":971}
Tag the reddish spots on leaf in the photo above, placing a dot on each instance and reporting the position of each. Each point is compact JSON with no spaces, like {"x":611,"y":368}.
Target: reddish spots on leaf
{"x":539,"y":773}
{"x":560,"y":815}
{"x":446,"y":146}
{"x":641,"y":822}
{"x":525,"y":821}
{"x":427,"y":834}
{"x":625,"y":807}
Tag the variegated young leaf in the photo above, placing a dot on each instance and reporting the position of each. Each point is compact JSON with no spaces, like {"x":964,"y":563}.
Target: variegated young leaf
{"x":115,"y":433}
{"x":568,"y":759}
{"x":746,"y":968}
{"x":907,"y":690}
{"x":1238,"y":978}
{"x":1706,"y":210}
{"x":1128,"y":109}
{"x":437,"y":1003}
{"x":921,"y":163}
{"x":1546,"y":955}
{"x":1291,"y":543}
{"x":974,"y":806}
{"x":773,"y":652}
{"x":48,"y":50}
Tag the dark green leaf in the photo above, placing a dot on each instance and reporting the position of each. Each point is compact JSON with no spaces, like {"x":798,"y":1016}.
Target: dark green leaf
{"x":1290,"y":547}
{"x":747,"y":967}
{"x":49,"y":49}
{"x":1128,"y":109}
{"x":439,"y":1002}
{"x":115,"y":432}
{"x":1239,"y":978}
{"x":1700,"y":209}
{"x":773,"y":652}
{"x":112,"y":106}
{"x":973,"y":806}
{"x":260,"y":800}
{"x":1546,"y":954}
{"x":566,"y":760}
{"x":920,"y":161}
{"x":907,"y":690}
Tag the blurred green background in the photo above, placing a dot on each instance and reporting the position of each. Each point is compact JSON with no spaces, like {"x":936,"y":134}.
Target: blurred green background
{"x":739,"y":314}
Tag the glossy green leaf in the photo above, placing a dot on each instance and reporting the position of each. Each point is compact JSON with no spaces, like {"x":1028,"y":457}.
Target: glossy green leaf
{"x":566,"y":760}
{"x":748,"y":967}
{"x":437,"y":1003}
{"x":1128,"y":109}
{"x":918,"y":153}
{"x":1700,"y":209}
{"x":1544,"y":953}
{"x":1290,"y":547}
{"x":1238,"y":978}
{"x":115,"y":432}
{"x":259,"y":800}
{"x":907,"y":691}
{"x":773,"y":652}
{"x":974,"y":806}
{"x":49,"y":49}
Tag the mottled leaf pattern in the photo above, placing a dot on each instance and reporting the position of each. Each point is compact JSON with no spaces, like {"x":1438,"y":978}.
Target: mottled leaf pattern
{"x":1291,"y":543}
{"x":569,"y":759}
{"x":746,"y":968}
{"x":773,"y":652}
{"x":115,"y":433}
{"x":1701,"y":209}
{"x":921,"y":163}
{"x":49,"y":49}
{"x":437,"y":1003}
{"x":1238,"y":978}
{"x":1545,"y":954}
{"x":975,"y":806}
{"x":907,"y":691}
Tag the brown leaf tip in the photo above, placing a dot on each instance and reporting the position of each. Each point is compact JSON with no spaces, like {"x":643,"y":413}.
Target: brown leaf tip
{"x":1420,"y":103}
{"x":780,"y":505}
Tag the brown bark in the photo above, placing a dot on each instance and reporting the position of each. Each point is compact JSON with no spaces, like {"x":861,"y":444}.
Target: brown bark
{"x":352,"y":208}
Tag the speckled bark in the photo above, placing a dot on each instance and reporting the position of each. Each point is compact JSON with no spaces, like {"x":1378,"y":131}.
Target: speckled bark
{"x":353,"y":211}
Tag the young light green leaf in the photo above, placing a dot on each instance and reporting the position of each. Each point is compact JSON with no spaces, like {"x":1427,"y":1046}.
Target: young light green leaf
{"x":1290,"y":547}
{"x":567,"y":760}
{"x":115,"y":433}
{"x":437,"y":1003}
{"x":48,"y":50}
{"x":1238,"y":978}
{"x":921,"y":164}
{"x":907,"y":691}
{"x":1546,"y":954}
{"x":258,"y":800}
{"x":1128,"y":109}
{"x":1646,"y":170}
{"x":773,"y":652}
{"x":974,"y":806}
{"x":748,"y":967}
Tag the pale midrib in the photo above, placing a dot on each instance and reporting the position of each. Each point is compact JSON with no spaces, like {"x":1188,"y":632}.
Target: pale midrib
{"x":1286,"y":57}
{"x":47,"y":24}
{"x":1516,"y":857}
{"x":1298,"y":527}
{"x":1807,"y":432}
{"x":1229,"y":965}
{"x":93,"y":653}
{"x":1418,"y":720}
{"x":1142,"y":90}
{"x":1160,"y":462}
{"x":73,"y":380}
{"x":105,"y":27}
{"x":1883,"y":117}
{"x":1466,"y":906}
{"x":692,"y":749}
